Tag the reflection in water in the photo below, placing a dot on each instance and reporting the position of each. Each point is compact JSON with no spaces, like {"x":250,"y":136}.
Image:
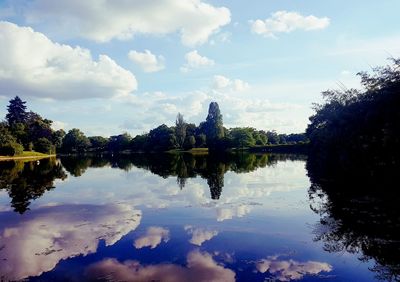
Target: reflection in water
{"x":200,"y":267}
{"x":26,"y":181}
{"x":359,"y":214}
{"x":287,"y":270}
{"x":211,"y":167}
{"x":153,"y":238}
{"x":200,"y":235}
{"x":38,"y":241}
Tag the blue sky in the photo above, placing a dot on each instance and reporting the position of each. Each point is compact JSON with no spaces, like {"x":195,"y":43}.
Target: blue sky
{"x":109,"y":67}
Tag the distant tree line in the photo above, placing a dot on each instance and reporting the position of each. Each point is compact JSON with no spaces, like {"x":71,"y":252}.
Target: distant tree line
{"x":28,"y":131}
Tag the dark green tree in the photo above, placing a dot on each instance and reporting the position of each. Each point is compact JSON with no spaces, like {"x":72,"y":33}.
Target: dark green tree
{"x":75,"y":141}
{"x":213,"y":127}
{"x":180,"y":130}
{"x":16,"y":111}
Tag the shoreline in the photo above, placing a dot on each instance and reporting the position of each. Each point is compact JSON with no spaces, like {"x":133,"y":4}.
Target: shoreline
{"x":12,"y":158}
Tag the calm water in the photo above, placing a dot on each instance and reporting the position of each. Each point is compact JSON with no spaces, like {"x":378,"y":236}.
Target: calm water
{"x":173,"y":218}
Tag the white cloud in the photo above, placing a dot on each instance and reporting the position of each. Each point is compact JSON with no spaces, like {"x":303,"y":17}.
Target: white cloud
{"x":223,"y":83}
{"x":50,"y":234}
{"x":283,"y":21}
{"x":200,"y":267}
{"x":288,"y":270}
{"x":105,"y":20}
{"x":33,"y":65}
{"x":194,"y":61}
{"x":153,"y":238}
{"x":199,"y":235}
{"x":231,"y":212}
{"x":147,"y":60}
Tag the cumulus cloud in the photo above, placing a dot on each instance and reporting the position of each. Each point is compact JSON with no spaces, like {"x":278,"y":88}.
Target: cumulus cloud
{"x":222,"y":83}
{"x":285,"y":22}
{"x":153,"y":238}
{"x":288,"y":270}
{"x":45,"y":236}
{"x":200,"y":235}
{"x":31,"y":64}
{"x":147,"y":60}
{"x":194,"y":61}
{"x":200,"y":267}
{"x":224,"y":213}
{"x":103,"y":21}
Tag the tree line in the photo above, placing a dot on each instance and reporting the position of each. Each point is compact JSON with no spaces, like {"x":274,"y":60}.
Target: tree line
{"x":25,"y":130}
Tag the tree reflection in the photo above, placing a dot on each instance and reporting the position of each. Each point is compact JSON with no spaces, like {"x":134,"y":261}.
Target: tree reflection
{"x":211,"y":167}
{"x":359,"y":211}
{"x":27,"y":181}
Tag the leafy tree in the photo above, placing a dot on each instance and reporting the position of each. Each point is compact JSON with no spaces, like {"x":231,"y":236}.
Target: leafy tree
{"x":119,"y":142}
{"x":213,"y":127}
{"x":162,"y":138}
{"x":180,"y":130}
{"x":139,"y":143}
{"x":44,"y":145}
{"x":57,"y":138}
{"x":75,"y":141}
{"x":16,"y":111}
{"x":98,"y":143}
{"x":273,"y":137}
{"x":8,"y":144}
{"x":242,"y":137}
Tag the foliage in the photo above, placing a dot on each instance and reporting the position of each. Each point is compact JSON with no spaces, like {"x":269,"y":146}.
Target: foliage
{"x":119,"y":142}
{"x":180,"y":130}
{"x":98,"y":143}
{"x":360,"y":128}
{"x":75,"y":141}
{"x":213,"y":127}
{"x":44,"y":145}
{"x":16,"y":111}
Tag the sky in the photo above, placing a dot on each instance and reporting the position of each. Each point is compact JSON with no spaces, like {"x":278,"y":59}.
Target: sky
{"x":109,"y":67}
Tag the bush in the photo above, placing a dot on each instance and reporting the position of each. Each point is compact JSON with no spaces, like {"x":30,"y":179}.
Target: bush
{"x":11,"y":149}
{"x":43,"y":145}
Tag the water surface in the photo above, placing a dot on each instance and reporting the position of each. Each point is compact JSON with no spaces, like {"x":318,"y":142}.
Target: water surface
{"x":242,"y":217}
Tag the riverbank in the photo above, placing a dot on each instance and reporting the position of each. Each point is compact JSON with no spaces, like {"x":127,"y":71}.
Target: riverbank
{"x":27,"y":155}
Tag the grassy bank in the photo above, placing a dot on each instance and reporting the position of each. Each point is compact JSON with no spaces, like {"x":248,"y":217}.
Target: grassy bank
{"x":26,"y":155}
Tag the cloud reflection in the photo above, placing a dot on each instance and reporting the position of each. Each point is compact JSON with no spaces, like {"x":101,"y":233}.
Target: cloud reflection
{"x":153,"y":238}
{"x":200,"y":267}
{"x":286,"y":270}
{"x":200,"y":235}
{"x":36,"y":242}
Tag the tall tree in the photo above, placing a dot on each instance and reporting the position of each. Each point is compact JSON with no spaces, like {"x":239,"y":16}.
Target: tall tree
{"x":180,"y":129}
{"x":213,"y":126}
{"x":16,"y":111}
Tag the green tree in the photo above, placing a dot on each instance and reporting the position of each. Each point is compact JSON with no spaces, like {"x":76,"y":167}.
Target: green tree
{"x":119,"y":142}
{"x":180,"y":129}
{"x":44,"y":145}
{"x":75,"y":141}
{"x":8,"y":144}
{"x":213,"y":127}
{"x":16,"y":111}
{"x":57,"y":138}
{"x":242,"y":137}
{"x":98,"y":143}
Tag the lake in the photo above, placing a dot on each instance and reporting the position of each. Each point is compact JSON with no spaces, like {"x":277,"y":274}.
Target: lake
{"x":171,"y":217}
